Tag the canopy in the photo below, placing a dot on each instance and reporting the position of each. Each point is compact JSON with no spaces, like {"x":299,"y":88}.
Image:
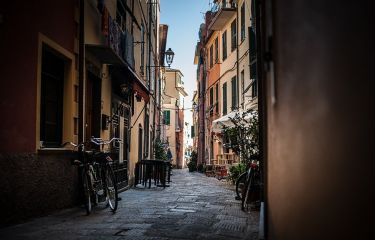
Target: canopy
{"x":218,"y":124}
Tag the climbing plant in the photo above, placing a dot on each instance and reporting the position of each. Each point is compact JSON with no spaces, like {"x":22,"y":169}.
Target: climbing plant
{"x":243,"y":136}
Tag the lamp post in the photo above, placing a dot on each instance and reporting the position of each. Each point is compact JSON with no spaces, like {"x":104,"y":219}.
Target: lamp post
{"x":169,"y":55}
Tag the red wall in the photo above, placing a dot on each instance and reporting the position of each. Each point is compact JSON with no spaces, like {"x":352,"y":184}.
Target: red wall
{"x":22,"y":20}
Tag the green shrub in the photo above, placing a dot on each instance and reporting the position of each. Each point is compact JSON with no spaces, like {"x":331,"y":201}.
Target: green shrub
{"x":192,"y":165}
{"x":160,"y":152}
{"x":235,"y":171}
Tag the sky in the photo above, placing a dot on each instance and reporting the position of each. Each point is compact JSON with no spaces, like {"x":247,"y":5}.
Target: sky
{"x":183,"y":19}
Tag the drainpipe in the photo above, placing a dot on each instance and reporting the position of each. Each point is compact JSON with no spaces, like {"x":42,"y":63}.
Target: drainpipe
{"x":155,"y":90}
{"x":150,"y":5}
{"x":81,"y":72}
{"x":238,"y":58}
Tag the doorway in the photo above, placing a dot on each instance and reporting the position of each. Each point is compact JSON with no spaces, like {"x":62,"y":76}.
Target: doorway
{"x":93,"y":106}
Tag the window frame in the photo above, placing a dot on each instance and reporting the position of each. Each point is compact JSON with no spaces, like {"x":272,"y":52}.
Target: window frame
{"x":216,"y":50}
{"x":234,"y":92}
{"x":211,"y":52}
{"x":225,"y":99}
{"x":224,"y":44}
{"x":233,"y":30}
{"x":243,"y":31}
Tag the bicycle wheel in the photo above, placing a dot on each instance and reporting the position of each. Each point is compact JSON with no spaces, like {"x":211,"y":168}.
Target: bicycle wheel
{"x":111,"y":188}
{"x":247,"y":191}
{"x":86,"y":184}
{"x":240,"y":184}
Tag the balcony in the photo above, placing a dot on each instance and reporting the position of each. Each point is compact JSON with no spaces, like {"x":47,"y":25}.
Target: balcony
{"x":180,"y":87}
{"x":222,"y":12}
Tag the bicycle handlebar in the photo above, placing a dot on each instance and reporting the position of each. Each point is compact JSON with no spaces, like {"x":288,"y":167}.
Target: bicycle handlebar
{"x":99,"y":141}
{"x":96,"y":141}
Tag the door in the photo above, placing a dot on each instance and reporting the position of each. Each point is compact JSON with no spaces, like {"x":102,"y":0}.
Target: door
{"x":93,"y":106}
{"x":140,"y":147}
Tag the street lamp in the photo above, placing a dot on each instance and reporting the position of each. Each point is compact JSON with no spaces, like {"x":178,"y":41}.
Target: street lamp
{"x":195,"y":106}
{"x":169,"y":55}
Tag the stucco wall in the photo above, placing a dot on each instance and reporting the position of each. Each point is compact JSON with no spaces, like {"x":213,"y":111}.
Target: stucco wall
{"x":22,"y":22}
{"x":320,"y":129}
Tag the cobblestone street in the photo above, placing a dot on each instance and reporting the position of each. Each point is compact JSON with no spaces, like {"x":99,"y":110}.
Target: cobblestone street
{"x":193,"y":207}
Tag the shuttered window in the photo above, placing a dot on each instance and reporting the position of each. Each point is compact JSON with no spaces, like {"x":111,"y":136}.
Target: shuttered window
{"x":234,"y":92}
{"x":167,"y":117}
{"x":243,"y":21}
{"x":217,"y":98}
{"x":224,"y":42}
{"x":225,"y":99}
{"x":216,"y":50}
{"x":234,"y":35}
{"x":211,"y":57}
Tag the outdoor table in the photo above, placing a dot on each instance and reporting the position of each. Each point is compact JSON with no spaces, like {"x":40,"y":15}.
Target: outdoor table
{"x":154,"y":170}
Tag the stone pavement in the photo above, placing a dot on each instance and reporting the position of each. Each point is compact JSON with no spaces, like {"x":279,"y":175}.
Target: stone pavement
{"x":193,"y":207}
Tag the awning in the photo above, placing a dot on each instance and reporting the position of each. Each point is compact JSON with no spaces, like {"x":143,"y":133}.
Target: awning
{"x":225,"y":121}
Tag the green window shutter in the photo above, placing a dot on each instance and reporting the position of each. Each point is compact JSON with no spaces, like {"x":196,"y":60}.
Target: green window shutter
{"x":224,"y":42}
{"x":234,"y":92}
{"x":211,"y":96}
{"x":192,"y":132}
{"x":234,"y":35}
{"x":217,"y":98}
{"x":167,"y":117}
{"x":225,"y":99}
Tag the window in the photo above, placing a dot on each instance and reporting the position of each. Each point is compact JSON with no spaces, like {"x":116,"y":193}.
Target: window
{"x":217,"y":98}
{"x":234,"y":92}
{"x":192,"y":132}
{"x":224,"y":42}
{"x":243,"y":86}
{"x":216,"y":51}
{"x":146,"y":137}
{"x":243,"y":21}
{"x":225,"y":99}
{"x":121,"y":14}
{"x":211,"y":100}
{"x":234,"y":35}
{"x":52,"y":85}
{"x":254,"y":87}
{"x":167,"y":117}
{"x":211,"y":57}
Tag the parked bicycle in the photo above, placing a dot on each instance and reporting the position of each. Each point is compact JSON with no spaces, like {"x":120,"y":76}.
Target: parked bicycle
{"x":248,"y":185}
{"x":98,"y":180}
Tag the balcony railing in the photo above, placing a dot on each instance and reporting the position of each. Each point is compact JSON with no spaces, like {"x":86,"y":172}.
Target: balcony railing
{"x":222,"y":12}
{"x":223,"y":4}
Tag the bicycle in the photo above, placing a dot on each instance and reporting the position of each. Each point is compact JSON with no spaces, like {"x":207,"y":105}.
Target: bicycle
{"x":98,"y":180}
{"x":248,"y":185}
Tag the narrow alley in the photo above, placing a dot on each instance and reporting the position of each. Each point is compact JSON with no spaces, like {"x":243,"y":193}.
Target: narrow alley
{"x":193,"y":207}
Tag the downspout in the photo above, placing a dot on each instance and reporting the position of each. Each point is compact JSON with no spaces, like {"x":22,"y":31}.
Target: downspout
{"x":150,"y":3}
{"x":81,"y":72}
{"x":238,"y":59}
{"x":155,"y":90}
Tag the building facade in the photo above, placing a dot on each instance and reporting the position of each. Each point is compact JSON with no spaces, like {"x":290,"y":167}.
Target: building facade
{"x":88,"y":68}
{"x":227,"y":79}
{"x":173,"y":115}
